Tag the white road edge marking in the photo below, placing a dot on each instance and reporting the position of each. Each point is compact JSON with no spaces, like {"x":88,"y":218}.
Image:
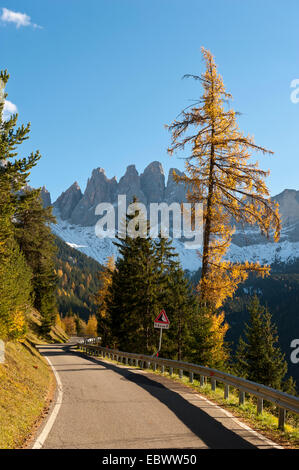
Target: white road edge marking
{"x":45,"y":432}
{"x":229,"y":415}
{"x":243,"y":425}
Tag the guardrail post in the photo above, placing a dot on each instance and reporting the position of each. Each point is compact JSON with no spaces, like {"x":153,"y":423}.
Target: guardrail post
{"x":281,"y":418}
{"x":260,"y":404}
{"x":213,"y":384}
{"x":241,"y":397}
{"x":286,"y":402}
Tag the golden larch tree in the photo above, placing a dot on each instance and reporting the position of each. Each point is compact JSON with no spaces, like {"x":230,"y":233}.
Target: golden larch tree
{"x":220,"y":175}
{"x":101,"y":297}
{"x":92,"y":326}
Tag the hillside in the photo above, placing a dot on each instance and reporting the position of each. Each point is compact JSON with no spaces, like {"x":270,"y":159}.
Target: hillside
{"x":27,"y":385}
{"x":77,"y":280}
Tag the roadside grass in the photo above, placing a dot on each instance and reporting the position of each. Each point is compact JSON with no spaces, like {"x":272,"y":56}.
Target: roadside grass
{"x":26,"y":382}
{"x":265,"y":423}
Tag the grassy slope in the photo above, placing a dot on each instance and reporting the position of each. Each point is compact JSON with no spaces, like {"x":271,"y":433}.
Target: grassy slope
{"x":26,"y":386}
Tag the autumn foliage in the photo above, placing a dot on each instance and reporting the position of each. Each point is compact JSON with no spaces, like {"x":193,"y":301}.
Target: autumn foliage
{"x":220,"y":174}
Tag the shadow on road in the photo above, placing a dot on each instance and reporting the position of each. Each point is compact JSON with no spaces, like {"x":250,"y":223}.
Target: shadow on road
{"x":209,"y":430}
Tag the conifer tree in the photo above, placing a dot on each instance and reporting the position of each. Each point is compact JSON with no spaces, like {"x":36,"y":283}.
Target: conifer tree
{"x":176,"y":297}
{"x":15,"y":275}
{"x":34,"y":236}
{"x":132,"y":301}
{"x":258,"y":357}
{"x":220,"y":175}
{"x":15,"y":291}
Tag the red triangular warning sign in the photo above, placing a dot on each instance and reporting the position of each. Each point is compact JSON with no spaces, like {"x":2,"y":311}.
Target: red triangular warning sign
{"x":162,"y":318}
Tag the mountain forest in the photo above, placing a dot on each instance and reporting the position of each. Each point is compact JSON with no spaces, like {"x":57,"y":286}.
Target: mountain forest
{"x":233,"y":316}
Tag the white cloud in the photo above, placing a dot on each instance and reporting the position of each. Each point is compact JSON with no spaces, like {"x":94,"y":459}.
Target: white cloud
{"x":19,"y":19}
{"x":9,"y":109}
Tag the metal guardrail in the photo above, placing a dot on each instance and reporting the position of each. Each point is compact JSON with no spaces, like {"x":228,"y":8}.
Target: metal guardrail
{"x":282,"y":400}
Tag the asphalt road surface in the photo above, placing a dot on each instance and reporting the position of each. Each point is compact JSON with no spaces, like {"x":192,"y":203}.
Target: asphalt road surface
{"x":108,"y":406}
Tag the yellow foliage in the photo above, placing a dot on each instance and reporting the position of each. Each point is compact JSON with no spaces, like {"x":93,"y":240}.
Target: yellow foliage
{"x":58,"y":322}
{"x":105,"y":277}
{"x":92,"y":326}
{"x":69,"y":325}
{"x":218,"y":332}
{"x":219,"y":175}
{"x":17,"y":327}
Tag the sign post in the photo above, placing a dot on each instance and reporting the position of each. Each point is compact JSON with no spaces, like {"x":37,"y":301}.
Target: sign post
{"x":161,"y":322}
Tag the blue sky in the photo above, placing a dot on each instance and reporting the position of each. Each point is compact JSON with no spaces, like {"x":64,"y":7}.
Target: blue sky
{"x":98,"y":79}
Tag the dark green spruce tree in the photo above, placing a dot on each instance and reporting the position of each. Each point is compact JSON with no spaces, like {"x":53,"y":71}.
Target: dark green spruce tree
{"x":132,"y":301}
{"x":15,"y":275}
{"x":176,"y":297}
{"x":258,"y":356}
{"x":36,"y":241}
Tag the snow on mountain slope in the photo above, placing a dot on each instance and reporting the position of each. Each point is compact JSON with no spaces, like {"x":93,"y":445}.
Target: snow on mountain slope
{"x":85,"y":240}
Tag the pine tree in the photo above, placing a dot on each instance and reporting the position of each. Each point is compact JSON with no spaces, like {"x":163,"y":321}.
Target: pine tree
{"x":15,"y":292}
{"x":15,"y":275}
{"x":258,"y":357}
{"x":196,"y":334}
{"x":219,"y":175}
{"x":34,"y":236}
{"x":132,"y":301}
{"x":176,"y":297}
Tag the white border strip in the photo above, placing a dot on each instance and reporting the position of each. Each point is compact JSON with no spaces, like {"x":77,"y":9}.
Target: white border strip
{"x":45,"y":432}
{"x":226,"y":412}
{"x":243,"y":425}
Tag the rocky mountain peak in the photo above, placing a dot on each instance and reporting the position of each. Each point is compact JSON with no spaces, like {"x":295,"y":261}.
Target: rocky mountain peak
{"x":129,"y":184}
{"x":148,"y":187}
{"x":175,"y":192}
{"x":153,"y":182}
{"x":288,"y":201}
{"x":68,"y":200}
{"x":46,"y":198}
{"x":99,"y":188}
